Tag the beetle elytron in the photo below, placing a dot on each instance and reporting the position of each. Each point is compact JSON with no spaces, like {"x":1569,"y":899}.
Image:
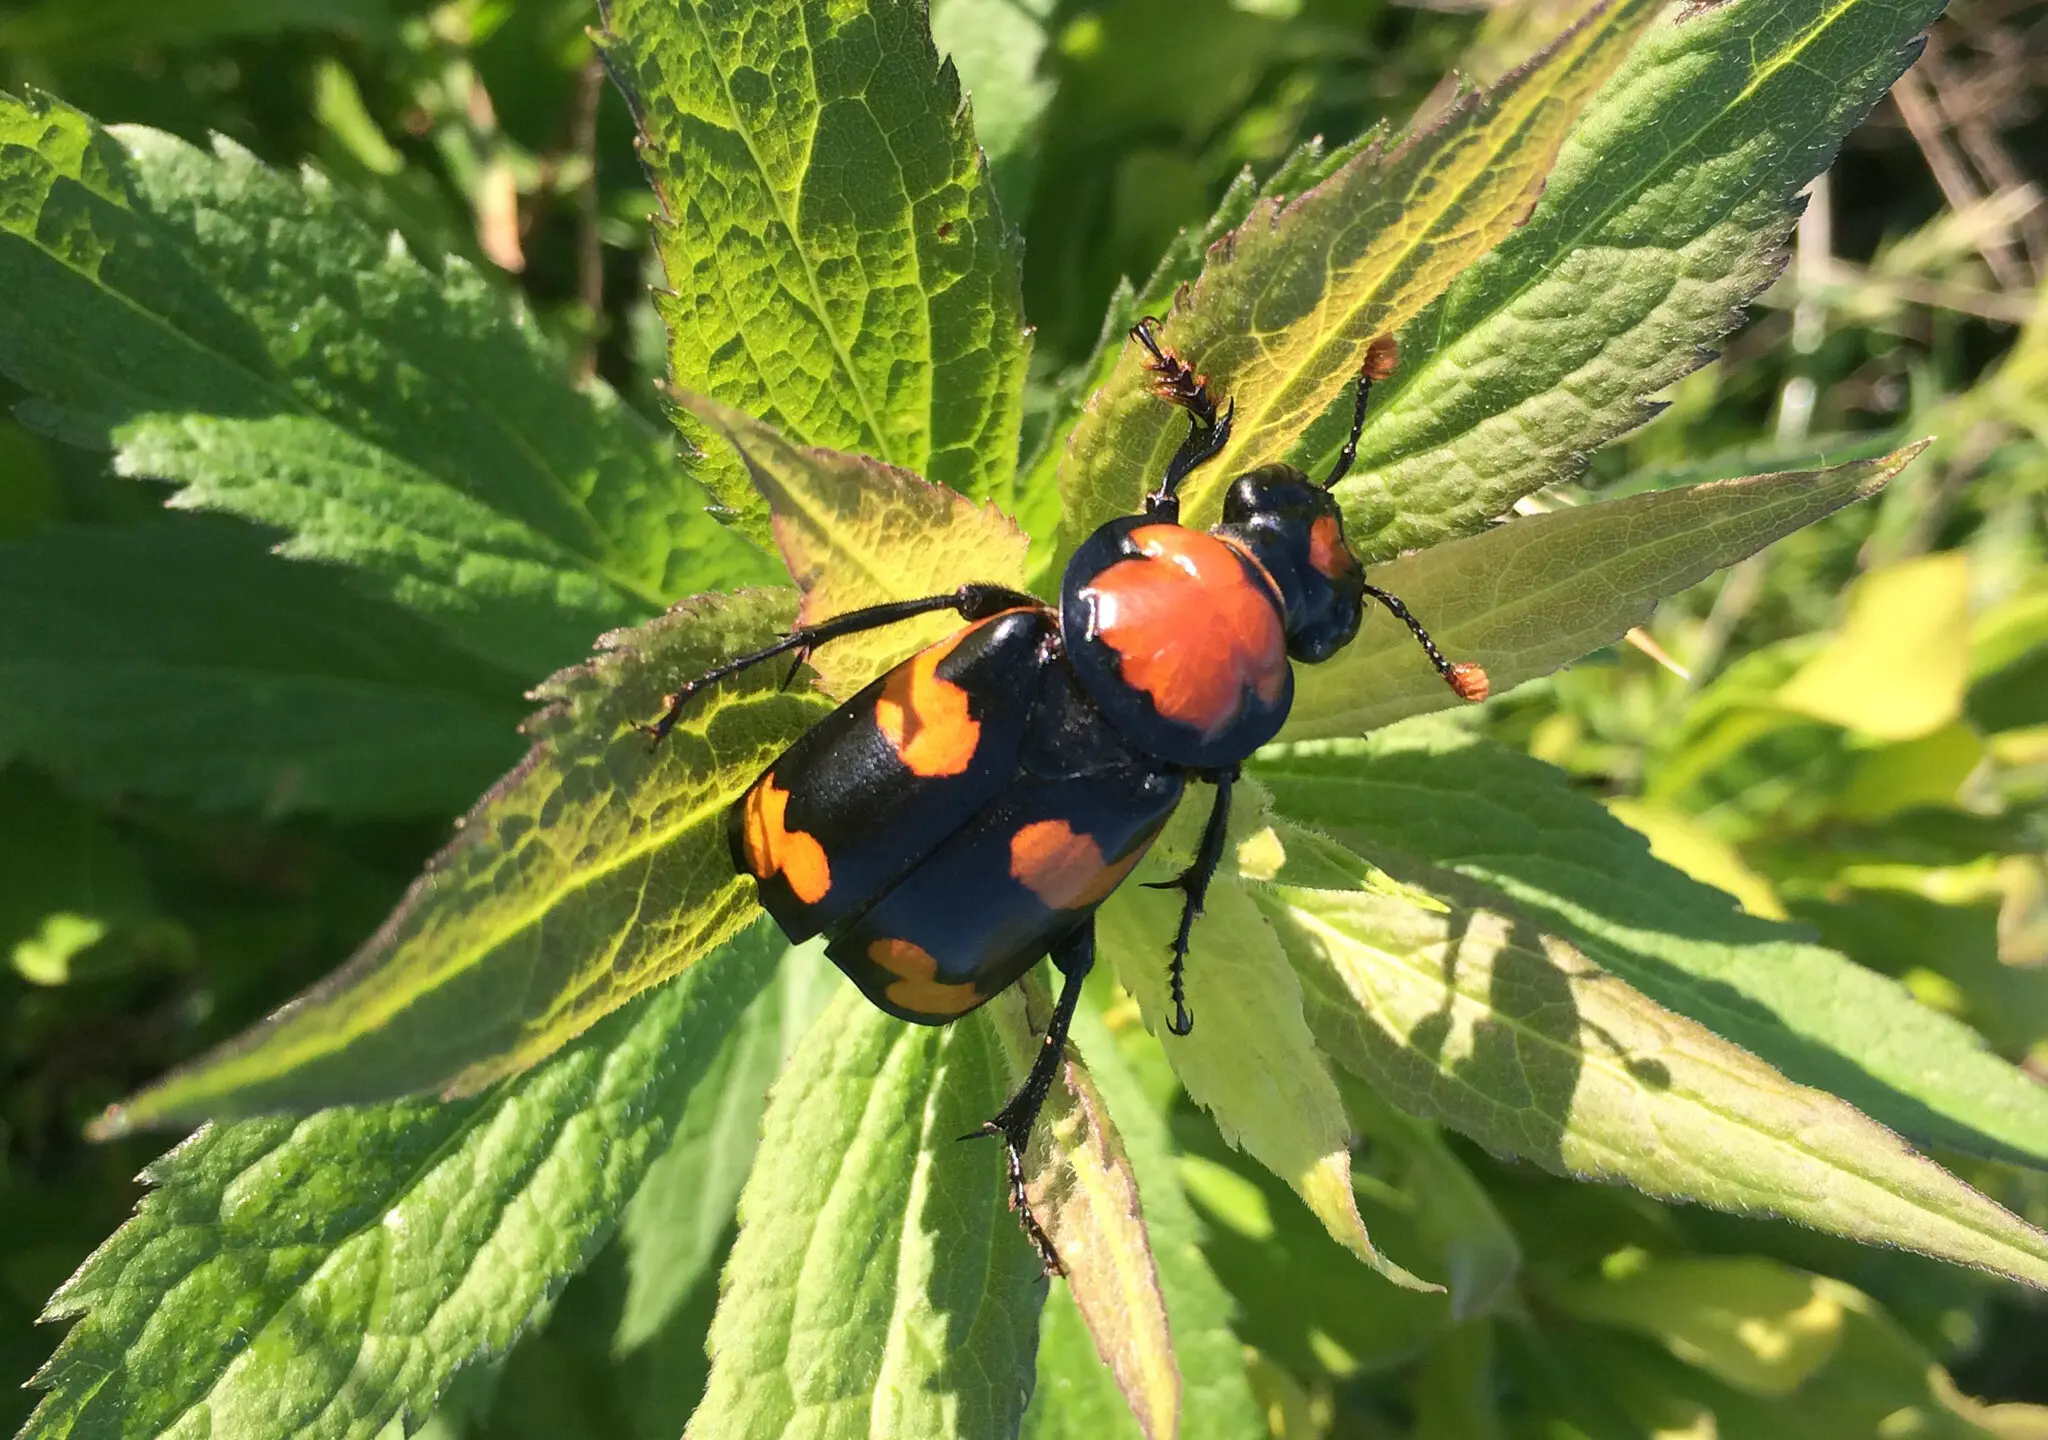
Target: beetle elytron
{"x":967,"y":812}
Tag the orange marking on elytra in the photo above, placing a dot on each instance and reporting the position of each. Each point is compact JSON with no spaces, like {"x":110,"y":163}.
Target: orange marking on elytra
{"x":772,"y":846}
{"x":1327,"y":550}
{"x":1064,"y":867}
{"x":1190,"y":627}
{"x":925,"y":719}
{"x":917,"y":987}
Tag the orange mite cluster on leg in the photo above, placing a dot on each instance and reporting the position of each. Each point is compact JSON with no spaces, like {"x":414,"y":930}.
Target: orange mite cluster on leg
{"x":1381,"y":356}
{"x":1470,"y":681}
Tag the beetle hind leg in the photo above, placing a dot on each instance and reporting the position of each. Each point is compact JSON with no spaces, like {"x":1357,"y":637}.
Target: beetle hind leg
{"x":971,"y":602}
{"x":1075,"y":957}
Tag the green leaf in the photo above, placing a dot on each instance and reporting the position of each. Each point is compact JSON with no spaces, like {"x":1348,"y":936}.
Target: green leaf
{"x":1541,"y":591}
{"x":1452,"y":1214}
{"x":265,"y":685}
{"x":320,"y":1277}
{"x":2009,"y":662}
{"x":74,"y":900}
{"x":597,"y":868}
{"x":854,"y":532}
{"x":836,"y":262}
{"x":1477,"y":1018}
{"x":879,"y":1286}
{"x":999,"y":48}
{"x":1428,"y":793}
{"x":1664,"y":216}
{"x":1759,"y":1325}
{"x":1456,"y":1394}
{"x":678,"y":1219}
{"x":1685,"y":844}
{"x":1083,"y":1193}
{"x":1877,"y":1378}
{"x":251,"y":337}
{"x":1038,"y":487}
{"x":1283,"y":312}
{"x":1255,"y":1066}
{"x":112,"y":27}
{"x":1076,"y":1395}
{"x":1895,"y":671}
{"x":1298,"y":1298}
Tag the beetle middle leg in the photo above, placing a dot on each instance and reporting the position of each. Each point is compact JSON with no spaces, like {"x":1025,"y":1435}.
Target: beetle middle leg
{"x":1193,"y":883}
{"x":1074,"y":956}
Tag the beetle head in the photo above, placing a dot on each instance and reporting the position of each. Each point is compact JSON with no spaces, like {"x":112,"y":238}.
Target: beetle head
{"x":1294,"y":528}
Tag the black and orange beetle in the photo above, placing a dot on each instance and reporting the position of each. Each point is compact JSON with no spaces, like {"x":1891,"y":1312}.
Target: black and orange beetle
{"x":965,"y":814}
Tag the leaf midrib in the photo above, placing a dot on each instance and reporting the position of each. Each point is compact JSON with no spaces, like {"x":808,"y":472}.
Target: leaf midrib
{"x":373,"y":1009}
{"x":1285,"y":381}
{"x":1578,"y":238}
{"x":783,"y":216}
{"x":1586,"y":1056}
{"x":391,"y":1197}
{"x":278,"y":387}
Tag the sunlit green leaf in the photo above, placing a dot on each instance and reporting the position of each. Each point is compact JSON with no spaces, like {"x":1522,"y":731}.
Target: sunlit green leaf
{"x":596,"y":869}
{"x":1544,"y":590}
{"x":879,"y":1286}
{"x":1479,"y":1019}
{"x":321,"y":1277}
{"x":836,"y":263}
{"x":1684,"y":844}
{"x":1895,"y":670}
{"x":855,"y":532}
{"x":1076,"y":1396}
{"x":1085,"y":1195}
{"x":1758,"y":1325}
{"x":1038,"y":490}
{"x":1254,"y":1066}
{"x":1283,"y":311}
{"x":1664,"y":216}
{"x":1430,"y":793}
{"x":251,"y":337}
{"x":1877,"y":1377}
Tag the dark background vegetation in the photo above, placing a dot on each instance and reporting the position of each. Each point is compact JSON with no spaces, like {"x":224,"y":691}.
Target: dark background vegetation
{"x":484,"y":128}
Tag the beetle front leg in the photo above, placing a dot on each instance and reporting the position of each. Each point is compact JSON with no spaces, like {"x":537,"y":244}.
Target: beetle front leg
{"x":1075,"y":957}
{"x":1175,"y":382}
{"x":1193,"y":883}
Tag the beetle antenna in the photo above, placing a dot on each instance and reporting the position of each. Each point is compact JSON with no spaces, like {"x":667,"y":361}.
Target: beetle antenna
{"x":1380,"y":359}
{"x":1463,"y":676}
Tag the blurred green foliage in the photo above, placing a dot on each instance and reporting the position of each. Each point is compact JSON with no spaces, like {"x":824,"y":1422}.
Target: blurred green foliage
{"x":1850,"y":731}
